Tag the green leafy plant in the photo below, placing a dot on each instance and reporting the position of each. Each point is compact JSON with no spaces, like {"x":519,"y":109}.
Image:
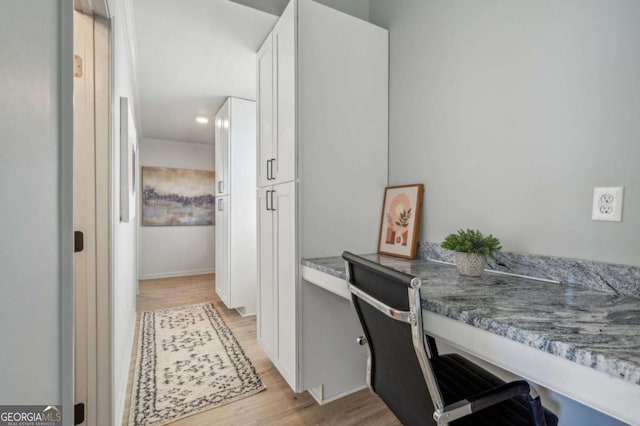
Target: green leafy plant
{"x":471,"y":241}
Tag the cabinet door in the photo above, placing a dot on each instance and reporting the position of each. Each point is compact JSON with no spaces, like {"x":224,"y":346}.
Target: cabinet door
{"x":216,"y":150}
{"x":284,"y":205}
{"x":222,"y":248}
{"x":222,"y":150}
{"x":285,"y":93}
{"x":265,"y":112}
{"x":266,"y":291}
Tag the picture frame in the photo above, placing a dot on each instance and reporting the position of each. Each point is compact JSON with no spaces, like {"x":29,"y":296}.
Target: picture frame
{"x":128,"y":162}
{"x":400,"y":221}
{"x":177,"y":197}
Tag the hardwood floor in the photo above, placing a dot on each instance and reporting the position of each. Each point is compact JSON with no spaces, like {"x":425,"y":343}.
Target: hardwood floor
{"x":278,"y":404}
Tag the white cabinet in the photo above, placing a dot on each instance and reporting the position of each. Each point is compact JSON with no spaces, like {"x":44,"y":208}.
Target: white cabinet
{"x":236,"y":251}
{"x":278,"y":277}
{"x":266,"y":273}
{"x":284,"y":229}
{"x":284,"y":147}
{"x":222,"y":151}
{"x":322,"y":86}
{"x":222,"y":248}
{"x":276,"y":110}
{"x":265,"y":86}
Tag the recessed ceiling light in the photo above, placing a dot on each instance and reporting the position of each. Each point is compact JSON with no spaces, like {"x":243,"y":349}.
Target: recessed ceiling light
{"x":202,"y":120}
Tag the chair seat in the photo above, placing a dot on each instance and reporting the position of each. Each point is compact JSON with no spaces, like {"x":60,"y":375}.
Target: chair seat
{"x":459,"y":378}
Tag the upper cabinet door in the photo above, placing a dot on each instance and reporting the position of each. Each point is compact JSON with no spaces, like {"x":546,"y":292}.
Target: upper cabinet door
{"x":265,"y":113}
{"x":222,"y":149}
{"x":216,"y":150}
{"x":284,"y":47}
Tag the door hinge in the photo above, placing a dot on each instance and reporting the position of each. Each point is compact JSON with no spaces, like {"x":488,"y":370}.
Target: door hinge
{"x":78,"y":414}
{"x":77,"y":66}
{"x":78,"y":241}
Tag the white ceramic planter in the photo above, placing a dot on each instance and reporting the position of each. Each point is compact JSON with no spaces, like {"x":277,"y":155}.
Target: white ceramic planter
{"x":470,"y":264}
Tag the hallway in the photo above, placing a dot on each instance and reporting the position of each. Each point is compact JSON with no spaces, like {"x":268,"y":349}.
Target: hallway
{"x":277,"y":404}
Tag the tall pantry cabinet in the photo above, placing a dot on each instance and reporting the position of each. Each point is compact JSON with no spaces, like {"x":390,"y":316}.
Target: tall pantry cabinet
{"x":235,"y":150}
{"x":322,"y":107}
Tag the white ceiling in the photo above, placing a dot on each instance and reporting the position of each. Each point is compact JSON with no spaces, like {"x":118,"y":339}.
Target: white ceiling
{"x":190,"y":57}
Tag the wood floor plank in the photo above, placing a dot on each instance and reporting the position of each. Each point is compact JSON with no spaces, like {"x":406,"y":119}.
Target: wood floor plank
{"x":278,"y":404}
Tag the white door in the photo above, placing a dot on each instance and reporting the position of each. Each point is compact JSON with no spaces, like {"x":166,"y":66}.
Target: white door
{"x":265,"y":112}
{"x":216,"y":150}
{"x":222,"y":150}
{"x":84,"y":213}
{"x":284,"y":210}
{"x":266,"y":290}
{"x":285,"y":92}
{"x":226,"y":149}
{"x":222,"y":248}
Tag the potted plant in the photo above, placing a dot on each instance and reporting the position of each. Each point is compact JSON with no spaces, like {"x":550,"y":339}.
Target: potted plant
{"x":472,"y":249}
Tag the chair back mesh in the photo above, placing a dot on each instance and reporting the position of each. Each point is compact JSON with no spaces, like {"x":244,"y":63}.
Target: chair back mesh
{"x":396,"y":375}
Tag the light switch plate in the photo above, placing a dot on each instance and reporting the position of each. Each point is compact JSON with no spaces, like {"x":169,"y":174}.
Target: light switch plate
{"x":607,"y":203}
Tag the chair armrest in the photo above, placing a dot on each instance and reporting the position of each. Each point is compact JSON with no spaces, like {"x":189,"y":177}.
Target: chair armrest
{"x":480,"y":401}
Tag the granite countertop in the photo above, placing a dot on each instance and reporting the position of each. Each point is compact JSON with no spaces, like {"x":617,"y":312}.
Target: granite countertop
{"x":590,"y":327}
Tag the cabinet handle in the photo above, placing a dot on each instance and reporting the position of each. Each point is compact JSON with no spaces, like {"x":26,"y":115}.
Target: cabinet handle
{"x":266,"y":198}
{"x":220,"y":186}
{"x":273,"y":209}
{"x":220,"y":204}
{"x":270,"y":169}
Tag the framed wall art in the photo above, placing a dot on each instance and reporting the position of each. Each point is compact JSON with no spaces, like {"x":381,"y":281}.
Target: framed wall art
{"x":400,"y":223}
{"x":177,"y":197}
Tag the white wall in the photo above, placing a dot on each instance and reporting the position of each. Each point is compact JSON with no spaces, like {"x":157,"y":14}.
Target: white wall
{"x":124,"y":250}
{"x":511,"y":112}
{"x":176,"y":250}
{"x":30,"y":237}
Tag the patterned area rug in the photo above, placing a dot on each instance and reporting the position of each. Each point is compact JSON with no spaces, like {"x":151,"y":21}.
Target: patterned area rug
{"x":188,"y":361}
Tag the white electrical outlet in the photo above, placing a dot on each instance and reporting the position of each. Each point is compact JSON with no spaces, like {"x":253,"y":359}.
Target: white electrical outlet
{"x":607,"y":204}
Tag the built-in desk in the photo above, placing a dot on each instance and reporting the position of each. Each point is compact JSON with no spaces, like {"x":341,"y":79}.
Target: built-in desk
{"x":582,"y":343}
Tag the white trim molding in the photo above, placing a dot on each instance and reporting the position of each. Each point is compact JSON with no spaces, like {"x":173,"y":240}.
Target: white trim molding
{"x":65,"y":185}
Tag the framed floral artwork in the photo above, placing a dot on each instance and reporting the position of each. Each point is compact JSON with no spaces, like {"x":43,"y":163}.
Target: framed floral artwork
{"x":401,"y":212}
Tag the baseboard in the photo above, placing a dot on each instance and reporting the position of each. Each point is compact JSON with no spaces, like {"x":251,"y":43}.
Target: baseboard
{"x":318,"y":394}
{"x":244,"y":313}
{"x":121,"y":393}
{"x":176,"y":274}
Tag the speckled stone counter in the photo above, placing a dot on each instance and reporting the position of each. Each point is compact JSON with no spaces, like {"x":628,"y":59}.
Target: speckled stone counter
{"x":592,"y":328}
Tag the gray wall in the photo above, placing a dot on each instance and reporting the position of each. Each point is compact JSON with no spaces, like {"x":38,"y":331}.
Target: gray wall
{"x":357,"y":8}
{"x":511,"y":112}
{"x":30,"y":150}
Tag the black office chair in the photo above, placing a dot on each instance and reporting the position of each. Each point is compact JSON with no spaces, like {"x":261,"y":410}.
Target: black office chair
{"x":404,"y":368}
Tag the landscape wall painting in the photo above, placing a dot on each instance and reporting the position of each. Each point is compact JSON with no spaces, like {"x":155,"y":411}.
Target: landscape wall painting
{"x":177,"y":197}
